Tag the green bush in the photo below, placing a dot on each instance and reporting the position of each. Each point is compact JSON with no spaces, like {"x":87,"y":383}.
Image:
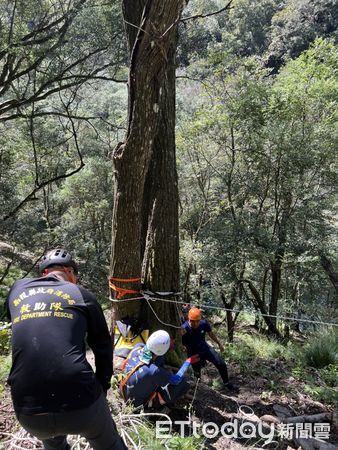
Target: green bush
{"x":5,"y":337}
{"x":322,"y":393}
{"x":330,"y":375}
{"x":249,"y":347}
{"x":322,"y":350}
{"x":5,"y":366}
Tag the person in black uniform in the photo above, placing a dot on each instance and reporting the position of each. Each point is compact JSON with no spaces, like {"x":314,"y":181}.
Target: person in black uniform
{"x":54,"y":389}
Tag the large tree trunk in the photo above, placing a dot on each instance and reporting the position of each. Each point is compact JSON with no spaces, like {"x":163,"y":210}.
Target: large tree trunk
{"x":161,"y":251}
{"x":152,"y":42}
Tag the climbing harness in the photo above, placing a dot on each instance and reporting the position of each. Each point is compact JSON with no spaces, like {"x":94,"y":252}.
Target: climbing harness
{"x":126,"y":378}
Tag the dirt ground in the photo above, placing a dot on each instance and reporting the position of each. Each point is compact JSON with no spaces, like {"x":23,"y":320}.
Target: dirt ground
{"x":206,"y":404}
{"x":210,"y":405}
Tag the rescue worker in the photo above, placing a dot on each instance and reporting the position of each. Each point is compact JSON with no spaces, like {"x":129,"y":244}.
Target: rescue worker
{"x":146,"y":381}
{"x":54,"y":389}
{"x":194,"y":331}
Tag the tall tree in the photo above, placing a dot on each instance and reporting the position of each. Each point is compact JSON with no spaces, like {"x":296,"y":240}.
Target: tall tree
{"x":48,"y":51}
{"x":145,"y":240}
{"x":269,"y":148}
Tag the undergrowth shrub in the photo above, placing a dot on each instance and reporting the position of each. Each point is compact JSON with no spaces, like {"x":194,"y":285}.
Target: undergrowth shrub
{"x":322,"y":350}
{"x":5,"y":337}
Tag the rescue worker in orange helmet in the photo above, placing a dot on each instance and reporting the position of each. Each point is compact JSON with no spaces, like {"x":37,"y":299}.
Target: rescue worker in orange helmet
{"x":194,"y":331}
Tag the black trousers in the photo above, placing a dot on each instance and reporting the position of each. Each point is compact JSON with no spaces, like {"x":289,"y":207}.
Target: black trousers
{"x":95,"y":423}
{"x":215,"y":358}
{"x":171,"y":393}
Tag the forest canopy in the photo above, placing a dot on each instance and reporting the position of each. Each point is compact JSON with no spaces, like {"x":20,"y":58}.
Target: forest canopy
{"x":256,"y":137}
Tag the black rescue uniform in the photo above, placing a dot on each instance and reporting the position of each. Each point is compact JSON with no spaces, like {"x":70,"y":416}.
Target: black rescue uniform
{"x":50,"y":321}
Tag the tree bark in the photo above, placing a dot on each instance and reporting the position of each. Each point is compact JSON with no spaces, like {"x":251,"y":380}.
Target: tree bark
{"x":230,"y":317}
{"x":261,"y":306}
{"x":277,"y":263}
{"x":330,"y":271}
{"x":152,"y":41}
{"x":161,"y":252}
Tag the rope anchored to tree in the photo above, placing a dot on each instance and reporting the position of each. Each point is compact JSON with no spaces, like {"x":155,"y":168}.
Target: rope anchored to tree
{"x":122,"y":292}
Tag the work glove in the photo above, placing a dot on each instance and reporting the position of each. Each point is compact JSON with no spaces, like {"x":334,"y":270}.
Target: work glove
{"x":193,"y":359}
{"x":177,"y":378}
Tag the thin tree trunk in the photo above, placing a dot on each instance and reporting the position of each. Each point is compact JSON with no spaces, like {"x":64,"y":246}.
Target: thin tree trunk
{"x":261,"y":306}
{"x":230,"y":317}
{"x":276,"y":264}
{"x":330,"y":271}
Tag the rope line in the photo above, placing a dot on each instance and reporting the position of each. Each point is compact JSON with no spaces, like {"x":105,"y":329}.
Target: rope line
{"x":220,"y":308}
{"x":163,"y":323}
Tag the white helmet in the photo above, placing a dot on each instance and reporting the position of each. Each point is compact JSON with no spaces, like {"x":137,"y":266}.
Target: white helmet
{"x":159,"y":342}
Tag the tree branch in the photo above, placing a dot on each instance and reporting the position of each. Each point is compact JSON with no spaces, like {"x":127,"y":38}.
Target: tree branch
{"x":197,"y":16}
{"x":40,"y":186}
{"x":37,"y":189}
{"x":203,"y":16}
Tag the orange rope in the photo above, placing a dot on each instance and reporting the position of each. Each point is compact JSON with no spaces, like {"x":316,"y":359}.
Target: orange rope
{"x":121,"y":292}
{"x":126,"y":280}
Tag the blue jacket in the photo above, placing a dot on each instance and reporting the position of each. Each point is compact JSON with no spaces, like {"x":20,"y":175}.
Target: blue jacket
{"x":147,"y":379}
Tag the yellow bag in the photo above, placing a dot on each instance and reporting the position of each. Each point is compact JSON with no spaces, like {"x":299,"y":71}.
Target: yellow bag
{"x":128,"y":333}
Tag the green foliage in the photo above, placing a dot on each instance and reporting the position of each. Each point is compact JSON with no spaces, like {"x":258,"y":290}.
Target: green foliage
{"x":298,"y":23}
{"x":260,"y":353}
{"x":62,"y":130}
{"x":322,"y":393}
{"x":249,"y":347}
{"x":5,"y":366}
{"x":5,"y":337}
{"x":146,"y":435}
{"x":255,"y":158}
{"x":141,"y":430}
{"x":185,"y":443}
{"x":75,"y":212}
{"x":312,"y":366}
{"x":248,"y":28}
{"x":14,"y":274}
{"x":322,"y":350}
{"x":330,"y":374}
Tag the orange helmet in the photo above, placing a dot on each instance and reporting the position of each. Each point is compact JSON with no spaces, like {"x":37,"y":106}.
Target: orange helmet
{"x":194,"y":314}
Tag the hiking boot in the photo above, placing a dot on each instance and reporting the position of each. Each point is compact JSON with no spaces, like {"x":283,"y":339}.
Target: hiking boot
{"x":165,"y":410}
{"x":231,"y":388}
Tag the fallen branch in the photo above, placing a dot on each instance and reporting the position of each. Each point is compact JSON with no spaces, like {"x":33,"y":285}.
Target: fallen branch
{"x":314,"y":444}
{"x":323,"y":417}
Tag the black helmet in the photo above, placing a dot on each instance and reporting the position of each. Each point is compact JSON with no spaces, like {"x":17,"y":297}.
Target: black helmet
{"x":57,"y":257}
